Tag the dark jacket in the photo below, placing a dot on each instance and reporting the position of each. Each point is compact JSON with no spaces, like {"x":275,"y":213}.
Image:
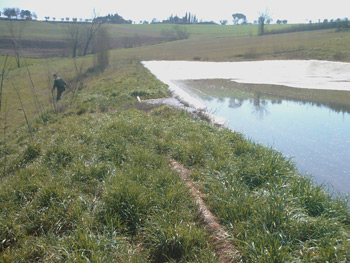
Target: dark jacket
{"x":60,"y":84}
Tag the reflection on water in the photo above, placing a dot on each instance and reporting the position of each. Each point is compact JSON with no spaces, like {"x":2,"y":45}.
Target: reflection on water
{"x":312,"y":127}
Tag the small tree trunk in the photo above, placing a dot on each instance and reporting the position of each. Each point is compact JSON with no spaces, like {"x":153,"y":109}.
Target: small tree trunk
{"x":5,"y":140}
{"x":24,"y":112}
{"x":3,"y":75}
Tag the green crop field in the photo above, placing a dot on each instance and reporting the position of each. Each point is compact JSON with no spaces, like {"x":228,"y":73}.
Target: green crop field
{"x":90,"y":178}
{"x":35,"y":29}
{"x":210,"y":42}
{"x":323,"y":45}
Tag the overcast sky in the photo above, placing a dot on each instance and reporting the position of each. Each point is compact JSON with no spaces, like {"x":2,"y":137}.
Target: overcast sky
{"x":292,"y":10}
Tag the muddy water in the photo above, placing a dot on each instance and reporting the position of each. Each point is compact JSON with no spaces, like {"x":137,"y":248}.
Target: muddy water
{"x":311,"y":127}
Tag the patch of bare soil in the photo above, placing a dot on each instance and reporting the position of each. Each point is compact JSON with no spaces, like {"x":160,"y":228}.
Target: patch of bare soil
{"x":172,"y":102}
{"x":219,"y":237}
{"x":42,"y":48}
{"x":46,"y":48}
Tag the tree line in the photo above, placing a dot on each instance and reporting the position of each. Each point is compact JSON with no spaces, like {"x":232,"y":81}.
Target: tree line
{"x":112,"y":19}
{"x":187,"y":19}
{"x":13,"y":12}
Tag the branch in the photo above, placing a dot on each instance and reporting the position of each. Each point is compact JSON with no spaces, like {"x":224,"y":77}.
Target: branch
{"x":3,"y":76}
{"x":24,"y":112}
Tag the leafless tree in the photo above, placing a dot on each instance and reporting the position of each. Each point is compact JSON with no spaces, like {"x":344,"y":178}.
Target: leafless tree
{"x":74,"y":34}
{"x":101,"y":47}
{"x":49,"y":85}
{"x":15,"y":30}
{"x":37,"y":102}
{"x":264,"y":18}
{"x":4,"y":146}
{"x":90,"y":32}
{"x":3,"y":76}
{"x":81,"y":35}
{"x":260,"y":106}
{"x":24,"y":112}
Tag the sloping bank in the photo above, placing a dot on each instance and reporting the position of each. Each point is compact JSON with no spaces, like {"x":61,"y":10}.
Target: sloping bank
{"x":97,"y":185}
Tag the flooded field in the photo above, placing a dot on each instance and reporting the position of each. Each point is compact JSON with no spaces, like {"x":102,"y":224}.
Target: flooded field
{"x":314,"y":134}
{"x":309,"y":123}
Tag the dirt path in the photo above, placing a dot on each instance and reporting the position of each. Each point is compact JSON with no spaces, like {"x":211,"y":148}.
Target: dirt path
{"x":225,"y":250}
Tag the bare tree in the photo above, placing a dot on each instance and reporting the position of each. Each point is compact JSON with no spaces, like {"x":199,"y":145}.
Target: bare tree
{"x":3,"y":76}
{"x":37,"y":103}
{"x":49,"y":85}
{"x":4,"y":148}
{"x":23,"y":110}
{"x":260,"y":106}
{"x":101,"y":49}
{"x":16,"y":29}
{"x":81,"y":35}
{"x":74,"y":33}
{"x":90,"y":32}
{"x":264,"y":18}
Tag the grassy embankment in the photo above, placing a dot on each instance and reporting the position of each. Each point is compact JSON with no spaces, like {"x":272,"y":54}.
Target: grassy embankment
{"x":95,"y":183}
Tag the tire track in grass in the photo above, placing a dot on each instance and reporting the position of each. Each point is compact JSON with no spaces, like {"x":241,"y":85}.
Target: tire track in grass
{"x":219,"y":237}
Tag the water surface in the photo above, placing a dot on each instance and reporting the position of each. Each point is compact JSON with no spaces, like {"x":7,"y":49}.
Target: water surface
{"x":298,"y":107}
{"x":310,"y":126}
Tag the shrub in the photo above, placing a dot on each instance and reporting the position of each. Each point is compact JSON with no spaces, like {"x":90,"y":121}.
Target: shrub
{"x":169,"y":239}
{"x":126,"y":206}
{"x":30,"y":153}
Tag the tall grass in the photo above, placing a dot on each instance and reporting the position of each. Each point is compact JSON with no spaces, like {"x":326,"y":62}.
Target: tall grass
{"x":79,"y":185}
{"x":96,"y":185}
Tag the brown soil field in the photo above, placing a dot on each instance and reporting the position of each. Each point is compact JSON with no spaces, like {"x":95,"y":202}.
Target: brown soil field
{"x":46,"y":48}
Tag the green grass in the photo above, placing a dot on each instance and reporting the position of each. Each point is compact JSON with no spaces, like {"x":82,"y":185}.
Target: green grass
{"x":97,"y":174}
{"x":95,"y":184}
{"x":55,"y":30}
{"x":52,"y":30}
{"x":108,"y":173}
{"x":12,"y":64}
{"x":320,"y":45}
{"x":35,"y":29}
{"x":216,"y":42}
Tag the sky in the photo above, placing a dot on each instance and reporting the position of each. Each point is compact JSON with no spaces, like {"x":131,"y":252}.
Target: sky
{"x":294,"y":11}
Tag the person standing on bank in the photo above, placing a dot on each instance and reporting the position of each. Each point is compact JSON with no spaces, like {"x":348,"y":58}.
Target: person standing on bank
{"x":60,"y":84}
